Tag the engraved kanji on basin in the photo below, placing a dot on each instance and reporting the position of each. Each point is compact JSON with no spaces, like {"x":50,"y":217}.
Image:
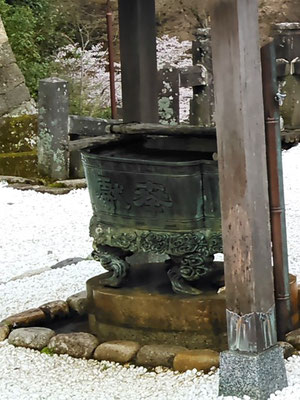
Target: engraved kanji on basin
{"x":154,"y":201}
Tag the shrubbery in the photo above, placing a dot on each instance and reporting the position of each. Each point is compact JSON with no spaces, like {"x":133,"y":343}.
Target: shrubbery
{"x":50,"y":37}
{"x":32,"y":28}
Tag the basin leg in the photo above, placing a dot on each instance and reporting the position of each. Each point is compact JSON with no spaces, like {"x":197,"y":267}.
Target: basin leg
{"x":113,"y":260}
{"x":188,"y":268}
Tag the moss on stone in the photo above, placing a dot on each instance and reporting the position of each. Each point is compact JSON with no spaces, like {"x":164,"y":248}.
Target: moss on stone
{"x":47,"y":351}
{"x":19,"y":164}
{"x":57,"y":185}
{"x":18,"y":134}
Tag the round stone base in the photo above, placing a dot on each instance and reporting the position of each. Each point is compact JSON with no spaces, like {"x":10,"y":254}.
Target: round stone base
{"x":147,"y":311}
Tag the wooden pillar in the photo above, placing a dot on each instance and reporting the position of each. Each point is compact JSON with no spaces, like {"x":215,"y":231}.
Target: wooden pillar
{"x":138,"y":60}
{"x":239,"y":117}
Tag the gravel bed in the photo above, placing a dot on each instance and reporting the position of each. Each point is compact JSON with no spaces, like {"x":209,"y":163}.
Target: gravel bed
{"x":291,"y":174}
{"x":23,"y":294}
{"x":27,"y":371}
{"x":39,"y":230}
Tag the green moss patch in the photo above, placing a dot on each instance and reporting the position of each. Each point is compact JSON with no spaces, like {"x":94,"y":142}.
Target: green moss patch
{"x":18,"y":134}
{"x":19,"y":164}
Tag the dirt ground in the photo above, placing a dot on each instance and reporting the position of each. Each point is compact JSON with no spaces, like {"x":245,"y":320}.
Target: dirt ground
{"x":274,"y":11}
{"x":183,"y":17}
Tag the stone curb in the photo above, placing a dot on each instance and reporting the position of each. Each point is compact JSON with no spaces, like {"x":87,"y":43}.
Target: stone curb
{"x":63,"y":187}
{"x":49,"y":311}
{"x":40,"y":188}
{"x":120,"y":351}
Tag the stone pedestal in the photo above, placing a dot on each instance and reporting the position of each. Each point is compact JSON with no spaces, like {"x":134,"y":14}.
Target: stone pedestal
{"x":255,"y":375}
{"x":146,"y":310}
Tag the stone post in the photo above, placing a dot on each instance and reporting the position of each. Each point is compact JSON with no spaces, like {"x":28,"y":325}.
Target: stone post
{"x":53,"y":109}
{"x":202,"y":103}
{"x":168,"y":96}
{"x":254,"y":365}
{"x":287,"y":41}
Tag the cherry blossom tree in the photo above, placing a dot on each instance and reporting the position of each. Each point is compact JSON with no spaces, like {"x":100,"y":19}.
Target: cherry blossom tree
{"x":86,"y":69}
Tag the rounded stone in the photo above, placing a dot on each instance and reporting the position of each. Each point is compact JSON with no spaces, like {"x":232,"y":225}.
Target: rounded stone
{"x":158,"y":355}
{"x":78,"y":344}
{"x":202,"y":360}
{"x":32,"y":338}
{"x":293,"y":338}
{"x":4,"y":332}
{"x":121,"y":351}
{"x":287,"y":348}
{"x":78,"y":303}
{"x":25,"y":318}
{"x":55,"y":309}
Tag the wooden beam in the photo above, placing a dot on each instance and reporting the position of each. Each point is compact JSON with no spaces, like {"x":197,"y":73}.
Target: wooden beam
{"x":138,"y":60}
{"x":83,"y":143}
{"x":243,"y":176}
{"x":91,"y":127}
{"x":165,"y":130}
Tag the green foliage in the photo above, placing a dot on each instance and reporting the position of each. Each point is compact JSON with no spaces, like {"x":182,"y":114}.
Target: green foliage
{"x":38,"y":28}
{"x":48,"y":351}
{"x":32,"y":29}
{"x":81,"y":106}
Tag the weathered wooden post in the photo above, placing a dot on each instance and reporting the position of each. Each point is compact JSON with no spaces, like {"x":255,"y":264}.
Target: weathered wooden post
{"x":53,"y":108}
{"x":138,"y":60}
{"x":253,"y":365}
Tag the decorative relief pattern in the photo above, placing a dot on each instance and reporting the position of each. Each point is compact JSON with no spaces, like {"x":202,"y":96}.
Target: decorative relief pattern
{"x":191,"y":254}
{"x":177,"y":244}
{"x":193,"y":267}
{"x":154,"y":242}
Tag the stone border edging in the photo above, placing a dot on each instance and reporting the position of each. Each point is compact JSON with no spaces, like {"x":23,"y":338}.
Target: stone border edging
{"x":63,"y":187}
{"x":22,"y":330}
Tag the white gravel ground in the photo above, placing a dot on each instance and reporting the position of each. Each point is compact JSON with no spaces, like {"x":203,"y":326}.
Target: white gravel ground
{"x":38,"y":230}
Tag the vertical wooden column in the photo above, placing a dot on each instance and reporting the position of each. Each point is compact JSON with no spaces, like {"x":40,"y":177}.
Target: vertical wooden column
{"x":253,"y":366}
{"x":138,"y":60}
{"x":243,"y":176}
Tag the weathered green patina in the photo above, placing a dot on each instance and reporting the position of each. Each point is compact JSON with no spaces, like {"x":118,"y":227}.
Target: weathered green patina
{"x":154,"y":201}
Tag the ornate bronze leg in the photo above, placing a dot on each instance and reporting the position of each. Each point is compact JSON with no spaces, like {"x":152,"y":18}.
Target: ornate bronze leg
{"x":113,"y":260}
{"x":188,"y":268}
